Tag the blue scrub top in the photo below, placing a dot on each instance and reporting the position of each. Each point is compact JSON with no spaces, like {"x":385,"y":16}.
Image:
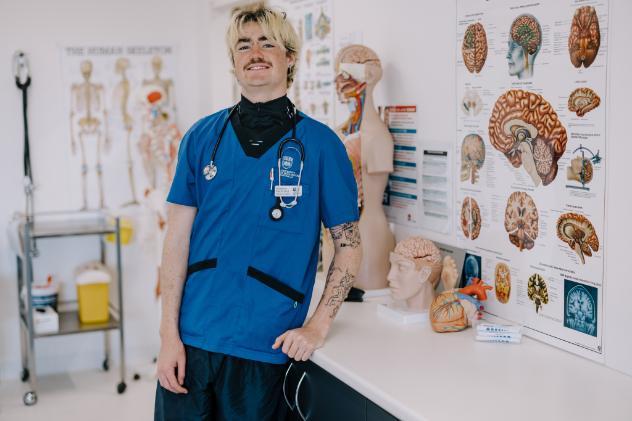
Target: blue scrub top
{"x":253,"y":277}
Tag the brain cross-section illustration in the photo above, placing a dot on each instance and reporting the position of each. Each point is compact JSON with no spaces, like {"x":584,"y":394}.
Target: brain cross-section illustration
{"x":474,"y":48}
{"x":583,"y":100}
{"x":472,"y":157}
{"x":526,"y":128}
{"x":526,"y":32}
{"x":577,"y":231}
{"x":521,"y":220}
{"x":584,"y":38}
{"x":470,"y":218}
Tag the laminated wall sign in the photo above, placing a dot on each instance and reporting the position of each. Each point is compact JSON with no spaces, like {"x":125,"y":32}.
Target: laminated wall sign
{"x":530,"y":158}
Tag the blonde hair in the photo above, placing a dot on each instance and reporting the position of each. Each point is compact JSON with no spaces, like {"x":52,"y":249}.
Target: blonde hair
{"x":274,"y":25}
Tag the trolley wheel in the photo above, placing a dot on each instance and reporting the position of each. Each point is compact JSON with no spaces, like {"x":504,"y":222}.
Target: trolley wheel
{"x":30,"y":398}
{"x":120,"y":388}
{"x":106,"y":365}
{"x":25,"y":374}
{"x":136,"y":376}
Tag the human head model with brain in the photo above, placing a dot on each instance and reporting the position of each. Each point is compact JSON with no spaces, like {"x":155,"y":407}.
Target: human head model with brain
{"x":416,"y":267}
{"x":525,"y":41}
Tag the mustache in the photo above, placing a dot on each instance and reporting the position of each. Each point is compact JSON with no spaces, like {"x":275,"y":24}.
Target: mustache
{"x":257,"y":61}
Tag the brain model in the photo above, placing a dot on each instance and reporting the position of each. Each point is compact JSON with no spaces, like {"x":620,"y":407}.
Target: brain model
{"x":581,"y":169}
{"x":526,"y":32}
{"x":583,"y":100}
{"x":470,"y":218}
{"x":584,"y":38}
{"x":502,"y":277}
{"x":525,"y":127}
{"x":577,"y":231}
{"x":474,"y":48}
{"x":472,"y":157}
{"x":521,"y":220}
{"x":537,"y":291}
{"x":422,"y":251}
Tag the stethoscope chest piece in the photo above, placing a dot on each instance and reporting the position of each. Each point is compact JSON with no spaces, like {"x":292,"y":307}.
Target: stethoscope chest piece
{"x":276,"y":213}
{"x":210,"y":171}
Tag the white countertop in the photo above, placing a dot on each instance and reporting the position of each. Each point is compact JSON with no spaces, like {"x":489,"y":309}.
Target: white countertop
{"x":417,"y":374}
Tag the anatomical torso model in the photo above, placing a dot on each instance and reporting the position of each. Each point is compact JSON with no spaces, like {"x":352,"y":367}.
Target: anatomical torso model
{"x":88,"y":119}
{"x":370,"y":148}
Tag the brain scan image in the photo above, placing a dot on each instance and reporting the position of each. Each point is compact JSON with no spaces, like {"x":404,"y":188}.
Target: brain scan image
{"x":537,"y":291}
{"x":472,"y":157}
{"x":578,"y":232}
{"x":521,"y":220}
{"x":472,"y":103}
{"x":584,"y":38}
{"x":583,"y":100}
{"x":470,"y":218}
{"x":502,"y":287}
{"x":525,"y":41}
{"x":580,"y":308}
{"x":526,"y":129}
{"x":471,"y":268}
{"x":474,"y":47}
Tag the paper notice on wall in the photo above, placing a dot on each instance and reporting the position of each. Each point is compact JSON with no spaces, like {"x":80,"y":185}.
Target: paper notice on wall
{"x":401,"y":198}
{"x":436,"y":187}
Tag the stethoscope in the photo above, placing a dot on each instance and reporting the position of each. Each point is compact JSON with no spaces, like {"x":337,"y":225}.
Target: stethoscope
{"x":276,"y":212}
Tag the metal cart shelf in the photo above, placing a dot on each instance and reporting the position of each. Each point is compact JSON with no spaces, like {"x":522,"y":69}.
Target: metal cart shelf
{"x":66,"y":225}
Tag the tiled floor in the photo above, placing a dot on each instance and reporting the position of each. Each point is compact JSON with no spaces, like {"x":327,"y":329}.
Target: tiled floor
{"x":89,"y":396}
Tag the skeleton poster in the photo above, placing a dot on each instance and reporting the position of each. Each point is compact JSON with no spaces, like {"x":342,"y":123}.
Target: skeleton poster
{"x":122,"y":121}
{"x":531,"y":156}
{"x":313,"y":90}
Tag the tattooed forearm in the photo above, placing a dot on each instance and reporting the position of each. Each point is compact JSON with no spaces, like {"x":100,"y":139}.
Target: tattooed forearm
{"x":338,"y":284}
{"x":346,"y":235}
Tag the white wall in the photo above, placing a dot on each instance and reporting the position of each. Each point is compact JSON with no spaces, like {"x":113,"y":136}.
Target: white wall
{"x":416,"y":42}
{"x":39,"y":28}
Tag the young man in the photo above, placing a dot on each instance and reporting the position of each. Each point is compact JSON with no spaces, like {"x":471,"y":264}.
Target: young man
{"x":241,"y":250}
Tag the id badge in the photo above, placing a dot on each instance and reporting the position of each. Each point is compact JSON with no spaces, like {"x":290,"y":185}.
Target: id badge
{"x":288,"y":191}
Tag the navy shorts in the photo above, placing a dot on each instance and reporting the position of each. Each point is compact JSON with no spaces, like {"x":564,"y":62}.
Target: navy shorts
{"x":222,"y":387}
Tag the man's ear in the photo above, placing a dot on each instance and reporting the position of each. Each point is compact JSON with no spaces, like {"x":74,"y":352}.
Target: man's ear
{"x":291,"y":57}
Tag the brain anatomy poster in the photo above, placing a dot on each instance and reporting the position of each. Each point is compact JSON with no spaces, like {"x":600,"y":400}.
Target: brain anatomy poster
{"x":531,"y":157}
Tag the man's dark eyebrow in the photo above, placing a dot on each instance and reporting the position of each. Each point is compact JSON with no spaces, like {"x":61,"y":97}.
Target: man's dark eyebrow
{"x":263,"y":38}
{"x":243,"y":40}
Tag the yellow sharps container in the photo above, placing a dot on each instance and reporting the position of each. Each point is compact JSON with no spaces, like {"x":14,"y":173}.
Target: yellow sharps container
{"x":93,"y":292}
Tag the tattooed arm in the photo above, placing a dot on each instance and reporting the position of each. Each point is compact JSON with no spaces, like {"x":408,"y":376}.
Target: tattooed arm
{"x":299,"y":344}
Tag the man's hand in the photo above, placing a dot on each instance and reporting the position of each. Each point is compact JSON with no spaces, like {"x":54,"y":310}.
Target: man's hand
{"x":172,"y":360}
{"x":300,"y":343}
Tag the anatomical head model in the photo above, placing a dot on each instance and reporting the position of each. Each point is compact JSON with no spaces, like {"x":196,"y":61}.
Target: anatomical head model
{"x":470,"y":218}
{"x":583,"y":100}
{"x":502,"y":278}
{"x":580,"y":235}
{"x":416,"y":267}
{"x":537,"y":291}
{"x":474,"y":47}
{"x":455,"y":309}
{"x":472,"y":157}
{"x":525,"y":41}
{"x":526,"y":128}
{"x":521,"y":220}
{"x":472,"y":103}
{"x":584,"y":38}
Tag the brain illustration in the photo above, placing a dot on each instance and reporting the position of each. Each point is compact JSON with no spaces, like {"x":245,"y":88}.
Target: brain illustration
{"x":526,"y":32}
{"x":581,"y":169}
{"x":583,"y":100}
{"x":474,"y":48}
{"x":526,"y":128}
{"x":470,"y":218}
{"x":537,"y":291}
{"x":584,"y":38}
{"x":577,"y":231}
{"x":521,"y":220}
{"x":472,"y":103}
{"x":502,"y":287}
{"x":472,"y":157}
{"x":447,"y":314}
{"x":580,"y":310}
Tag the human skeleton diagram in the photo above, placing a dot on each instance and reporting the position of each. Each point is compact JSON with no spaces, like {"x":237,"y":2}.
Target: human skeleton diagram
{"x":88,"y":119}
{"x":120,"y":102}
{"x":169,"y":102}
